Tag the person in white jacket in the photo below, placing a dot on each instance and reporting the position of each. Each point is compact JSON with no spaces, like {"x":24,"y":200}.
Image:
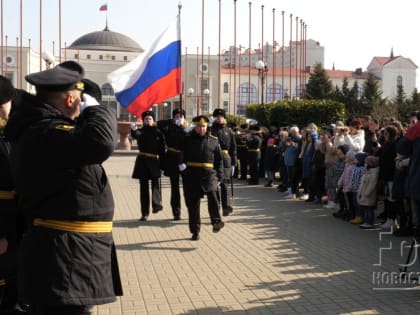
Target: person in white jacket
{"x":355,"y":136}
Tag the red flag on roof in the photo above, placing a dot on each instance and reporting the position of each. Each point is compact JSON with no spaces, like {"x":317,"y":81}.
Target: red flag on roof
{"x":103,"y":7}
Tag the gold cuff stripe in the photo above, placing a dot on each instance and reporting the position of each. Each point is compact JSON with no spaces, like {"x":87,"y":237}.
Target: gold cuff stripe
{"x":254,"y":150}
{"x":76,"y":226}
{"x":150,"y":155}
{"x":7,"y":195}
{"x":174,"y":150}
{"x":3,"y":282}
{"x":199,"y":164}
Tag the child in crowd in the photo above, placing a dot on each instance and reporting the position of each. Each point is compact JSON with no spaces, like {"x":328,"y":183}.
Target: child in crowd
{"x":335,"y":172}
{"x":358,"y":172}
{"x":344,"y":184}
{"x":271,"y":158}
{"x":367,"y":192}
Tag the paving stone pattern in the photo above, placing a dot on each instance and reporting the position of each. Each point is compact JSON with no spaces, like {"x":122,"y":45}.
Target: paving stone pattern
{"x":274,"y":256}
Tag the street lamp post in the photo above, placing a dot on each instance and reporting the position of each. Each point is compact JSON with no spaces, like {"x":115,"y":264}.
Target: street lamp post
{"x":206,"y":93}
{"x":262,"y":73}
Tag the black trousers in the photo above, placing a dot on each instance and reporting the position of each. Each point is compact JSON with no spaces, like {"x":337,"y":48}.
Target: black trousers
{"x":243,"y":163}
{"x":8,"y":297}
{"x":193,"y":205}
{"x":254,"y":168}
{"x":145,"y":196}
{"x":175,"y":195}
{"x":60,"y":310}
{"x":223,"y":195}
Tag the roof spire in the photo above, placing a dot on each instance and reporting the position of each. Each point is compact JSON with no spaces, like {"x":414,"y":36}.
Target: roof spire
{"x":333,"y":68}
{"x":392,"y":53}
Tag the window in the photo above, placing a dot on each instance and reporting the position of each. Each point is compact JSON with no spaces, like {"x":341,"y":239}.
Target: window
{"x":113,"y":57}
{"x":205,"y":84}
{"x":246,"y":94}
{"x":226,"y":87}
{"x":125,"y":58}
{"x":76,"y":56}
{"x":107,"y":90}
{"x":101,"y":57}
{"x":88,"y":56}
{"x":274,"y":93}
{"x":226,"y":106}
{"x":399,"y":81}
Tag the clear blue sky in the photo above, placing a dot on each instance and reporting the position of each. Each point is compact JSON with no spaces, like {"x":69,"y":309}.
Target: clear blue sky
{"x":352,"y":32}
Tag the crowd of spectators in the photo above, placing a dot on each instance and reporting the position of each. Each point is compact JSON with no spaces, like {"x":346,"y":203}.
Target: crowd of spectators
{"x":362,"y":169}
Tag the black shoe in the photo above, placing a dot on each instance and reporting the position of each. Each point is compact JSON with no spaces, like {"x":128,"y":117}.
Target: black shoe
{"x":157,"y":209}
{"x":310,"y":200}
{"x":382,"y":215}
{"x":144,"y":218}
{"x":338,"y":214}
{"x":195,"y":237}
{"x":177,"y":218}
{"x":268,"y":185}
{"x":228,"y":210}
{"x":218,"y":226}
{"x":404,"y":232}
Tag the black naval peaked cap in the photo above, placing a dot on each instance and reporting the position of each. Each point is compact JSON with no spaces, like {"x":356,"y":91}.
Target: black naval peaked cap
{"x":177,"y":111}
{"x":65,"y":76}
{"x":92,"y":89}
{"x":147,"y":113}
{"x":7,"y":91}
{"x":200,"y":120}
{"x":219,"y":112}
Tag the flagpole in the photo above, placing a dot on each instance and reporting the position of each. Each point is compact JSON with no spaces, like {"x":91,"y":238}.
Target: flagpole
{"x":21,"y":44}
{"x":296,"y":54}
{"x":249,"y":54}
{"x":290,"y":55}
{"x":2,"y":36}
{"x":202,"y":54}
{"x":40,"y":35}
{"x":282,"y":55}
{"x":59,"y":31}
{"x":180,"y":54}
{"x":273,"y":90}
{"x":219,"y":57}
{"x":234,"y":57}
{"x":29,"y":55}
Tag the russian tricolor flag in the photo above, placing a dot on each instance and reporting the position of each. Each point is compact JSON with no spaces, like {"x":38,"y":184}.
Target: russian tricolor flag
{"x":153,"y":76}
{"x":103,"y":7}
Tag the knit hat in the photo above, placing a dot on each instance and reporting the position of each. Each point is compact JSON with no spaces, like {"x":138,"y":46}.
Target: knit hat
{"x":270,"y":141}
{"x":344,"y":148}
{"x":351,"y":154}
{"x":361,"y":157}
{"x":372,"y":161}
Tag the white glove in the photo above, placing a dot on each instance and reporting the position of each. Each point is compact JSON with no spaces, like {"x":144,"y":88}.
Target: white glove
{"x":182,"y":167}
{"x":233,"y":169}
{"x":87,"y":102}
{"x":188,"y":129}
{"x":133,"y":126}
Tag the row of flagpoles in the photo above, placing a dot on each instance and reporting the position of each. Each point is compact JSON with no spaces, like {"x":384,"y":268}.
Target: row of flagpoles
{"x":299,"y":42}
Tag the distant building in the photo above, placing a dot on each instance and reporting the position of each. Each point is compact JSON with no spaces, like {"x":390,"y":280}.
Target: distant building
{"x":240,"y":83}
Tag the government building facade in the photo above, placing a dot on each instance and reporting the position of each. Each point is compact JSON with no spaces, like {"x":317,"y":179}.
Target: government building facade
{"x":230,"y":80}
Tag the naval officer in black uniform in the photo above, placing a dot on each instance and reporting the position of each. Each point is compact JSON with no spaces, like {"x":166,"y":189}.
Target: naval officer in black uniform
{"x":151,"y":144}
{"x":67,"y":260}
{"x":173,"y":130}
{"x":202,"y":173}
{"x":227,"y":142}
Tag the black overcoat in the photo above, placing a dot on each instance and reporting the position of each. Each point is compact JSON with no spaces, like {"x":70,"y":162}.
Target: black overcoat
{"x":56,"y":164}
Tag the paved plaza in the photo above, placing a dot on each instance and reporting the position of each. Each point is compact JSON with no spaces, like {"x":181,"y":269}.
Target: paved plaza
{"x":274,"y":256}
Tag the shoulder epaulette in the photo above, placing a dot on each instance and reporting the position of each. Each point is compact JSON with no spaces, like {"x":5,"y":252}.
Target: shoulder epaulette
{"x":64,"y":127}
{"x":214,"y":137}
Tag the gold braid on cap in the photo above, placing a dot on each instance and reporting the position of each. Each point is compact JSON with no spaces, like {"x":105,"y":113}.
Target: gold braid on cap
{"x":79,"y":86}
{"x":202,"y":122}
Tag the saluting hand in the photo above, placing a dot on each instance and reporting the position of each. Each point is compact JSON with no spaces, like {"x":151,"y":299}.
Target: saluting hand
{"x":3,"y":246}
